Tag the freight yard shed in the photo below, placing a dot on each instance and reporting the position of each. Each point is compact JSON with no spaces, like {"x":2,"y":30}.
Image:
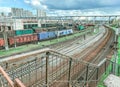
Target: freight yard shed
{"x":112,"y":81}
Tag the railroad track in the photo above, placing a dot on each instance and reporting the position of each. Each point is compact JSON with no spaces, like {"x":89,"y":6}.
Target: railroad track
{"x":64,"y":69}
{"x":100,"y":56}
{"x":78,"y":45}
{"x":63,"y":77}
{"x":94,"y":58}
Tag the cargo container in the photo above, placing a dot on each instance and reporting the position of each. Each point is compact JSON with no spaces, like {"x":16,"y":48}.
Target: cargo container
{"x":11,"y":40}
{"x":18,"y":32}
{"x":61,"y":33}
{"x":23,"y":32}
{"x":51,"y":34}
{"x":69,"y":31}
{"x":43,"y":35}
{"x":23,"y":39}
{"x":81,"y":27}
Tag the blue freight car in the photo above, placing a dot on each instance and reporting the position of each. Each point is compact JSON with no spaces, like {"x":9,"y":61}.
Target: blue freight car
{"x":69,"y":31}
{"x":43,"y":35}
{"x":61,"y":33}
{"x":51,"y":34}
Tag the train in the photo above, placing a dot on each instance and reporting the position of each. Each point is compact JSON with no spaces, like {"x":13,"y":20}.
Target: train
{"x":82,"y":26}
{"x":24,"y":36}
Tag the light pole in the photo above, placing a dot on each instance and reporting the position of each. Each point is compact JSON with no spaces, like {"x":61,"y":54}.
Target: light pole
{"x":115,"y":51}
{"x":14,"y":33}
{"x":14,"y":15}
{"x":4,"y":28}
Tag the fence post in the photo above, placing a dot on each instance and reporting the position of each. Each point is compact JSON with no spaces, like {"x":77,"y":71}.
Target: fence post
{"x":97,"y":75}
{"x":112,"y":70}
{"x":105,"y":66}
{"x":118,"y":70}
{"x":86,"y":79}
{"x":36,"y":68}
{"x":47,"y":60}
{"x":69,"y":72}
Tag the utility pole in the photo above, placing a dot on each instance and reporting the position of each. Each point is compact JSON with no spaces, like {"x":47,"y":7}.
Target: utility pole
{"x":14,"y":15}
{"x":4,"y":28}
{"x":14,"y":34}
{"x":109,"y":20}
{"x":115,"y":52}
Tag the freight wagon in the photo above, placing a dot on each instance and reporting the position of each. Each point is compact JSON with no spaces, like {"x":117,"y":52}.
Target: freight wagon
{"x":23,"y":38}
{"x":69,"y":31}
{"x":81,"y":27}
{"x":51,"y":34}
{"x":64,"y":32}
{"x":23,"y":32}
{"x":2,"y":43}
{"x":46,"y":35}
{"x":43,"y":35}
{"x":54,"y":34}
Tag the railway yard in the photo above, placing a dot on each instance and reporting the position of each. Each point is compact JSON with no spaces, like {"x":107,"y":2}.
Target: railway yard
{"x":66,"y":43}
{"x":78,"y":61}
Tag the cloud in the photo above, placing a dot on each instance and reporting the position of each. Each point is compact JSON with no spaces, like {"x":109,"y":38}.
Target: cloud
{"x":97,"y":11}
{"x":83,"y":7}
{"x":27,"y":1}
{"x":109,"y":2}
{"x":79,"y":4}
{"x":5,"y":9}
{"x":36,"y":4}
{"x":67,"y":7}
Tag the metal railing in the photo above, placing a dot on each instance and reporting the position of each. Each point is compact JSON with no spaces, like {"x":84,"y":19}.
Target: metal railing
{"x":50,"y":68}
{"x":7,"y":82}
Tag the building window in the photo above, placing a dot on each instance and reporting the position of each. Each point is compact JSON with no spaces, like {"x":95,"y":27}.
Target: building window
{"x":0,"y":28}
{"x":29,"y":26}
{"x":9,"y":28}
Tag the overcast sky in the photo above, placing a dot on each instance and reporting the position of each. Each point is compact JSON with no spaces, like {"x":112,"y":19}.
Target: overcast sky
{"x":66,"y":7}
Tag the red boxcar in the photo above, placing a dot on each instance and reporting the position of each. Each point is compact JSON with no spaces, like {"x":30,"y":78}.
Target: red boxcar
{"x":11,"y":40}
{"x":23,"y":39}
{"x":2,"y":43}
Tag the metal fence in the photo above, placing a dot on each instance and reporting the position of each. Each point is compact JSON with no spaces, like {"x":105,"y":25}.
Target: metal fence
{"x":50,"y":68}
